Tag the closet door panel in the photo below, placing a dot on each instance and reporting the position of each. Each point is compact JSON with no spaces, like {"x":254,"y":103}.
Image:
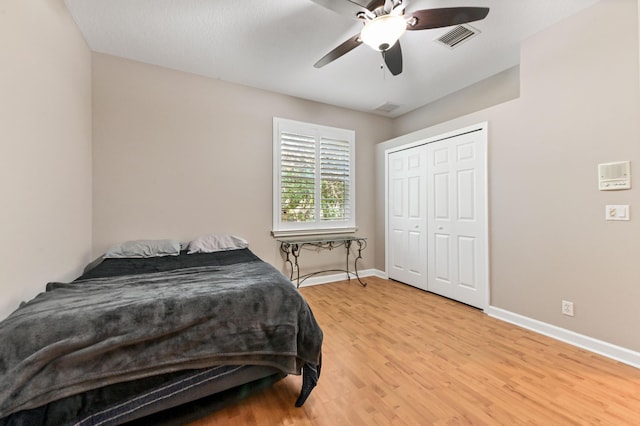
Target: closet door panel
{"x":456,"y":213}
{"x":407,"y":257}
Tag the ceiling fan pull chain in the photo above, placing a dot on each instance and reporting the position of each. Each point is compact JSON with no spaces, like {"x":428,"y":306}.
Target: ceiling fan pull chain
{"x":382,"y":67}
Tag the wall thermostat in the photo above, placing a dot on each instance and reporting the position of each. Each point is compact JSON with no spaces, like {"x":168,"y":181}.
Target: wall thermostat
{"x":614,"y":176}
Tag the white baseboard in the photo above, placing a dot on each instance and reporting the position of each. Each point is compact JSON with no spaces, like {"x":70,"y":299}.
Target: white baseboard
{"x":618,"y":353}
{"x":325,"y":279}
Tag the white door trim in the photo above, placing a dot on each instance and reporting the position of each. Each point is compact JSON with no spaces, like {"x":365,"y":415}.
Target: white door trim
{"x":480,"y":127}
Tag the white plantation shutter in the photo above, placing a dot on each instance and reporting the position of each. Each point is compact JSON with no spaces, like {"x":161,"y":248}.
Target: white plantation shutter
{"x":335,"y":169}
{"x":313,"y":187}
{"x":297,"y":177}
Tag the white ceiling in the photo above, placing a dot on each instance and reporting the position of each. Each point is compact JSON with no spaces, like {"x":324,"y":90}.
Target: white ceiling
{"x":273,"y":45}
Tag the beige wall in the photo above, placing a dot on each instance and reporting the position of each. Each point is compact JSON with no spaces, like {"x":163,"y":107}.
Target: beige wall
{"x":579,"y":106}
{"x":177,"y":155}
{"x":45,"y":149}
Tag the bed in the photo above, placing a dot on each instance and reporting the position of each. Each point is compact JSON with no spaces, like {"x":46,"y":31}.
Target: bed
{"x":167,"y":333}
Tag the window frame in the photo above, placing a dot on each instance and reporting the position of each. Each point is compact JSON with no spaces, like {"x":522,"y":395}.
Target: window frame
{"x":318,"y":226}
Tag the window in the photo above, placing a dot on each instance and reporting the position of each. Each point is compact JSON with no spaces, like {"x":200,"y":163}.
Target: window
{"x":313,"y":172}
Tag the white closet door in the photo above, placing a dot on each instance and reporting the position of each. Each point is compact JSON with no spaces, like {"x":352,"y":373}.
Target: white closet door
{"x":407,"y":216}
{"x":456,"y":218}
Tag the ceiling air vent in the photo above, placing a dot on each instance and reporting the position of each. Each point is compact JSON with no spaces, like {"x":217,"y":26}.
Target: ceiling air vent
{"x":457,"y":36}
{"x":387,"y":107}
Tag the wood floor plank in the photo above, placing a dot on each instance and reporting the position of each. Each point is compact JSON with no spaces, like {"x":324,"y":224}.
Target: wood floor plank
{"x":396,"y":355}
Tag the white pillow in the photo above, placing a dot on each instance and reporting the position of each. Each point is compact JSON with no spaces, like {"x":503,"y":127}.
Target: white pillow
{"x":213,"y":243}
{"x":144,"y":248}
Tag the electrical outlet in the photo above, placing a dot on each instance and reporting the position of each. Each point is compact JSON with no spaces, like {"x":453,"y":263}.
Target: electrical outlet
{"x":567,"y":308}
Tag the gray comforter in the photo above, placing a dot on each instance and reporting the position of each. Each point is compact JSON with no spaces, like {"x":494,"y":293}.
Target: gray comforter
{"x":88,"y":334}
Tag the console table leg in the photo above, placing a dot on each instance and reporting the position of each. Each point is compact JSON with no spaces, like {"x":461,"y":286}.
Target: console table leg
{"x":347,"y":244}
{"x":292,"y":250}
{"x":295,"y":251}
{"x":285,"y":248}
{"x":355,"y":262}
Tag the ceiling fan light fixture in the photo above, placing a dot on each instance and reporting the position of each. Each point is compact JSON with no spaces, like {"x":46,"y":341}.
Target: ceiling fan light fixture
{"x":383,"y":32}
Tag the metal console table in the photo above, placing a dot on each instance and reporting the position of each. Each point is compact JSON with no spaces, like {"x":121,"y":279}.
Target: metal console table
{"x":291,"y":247}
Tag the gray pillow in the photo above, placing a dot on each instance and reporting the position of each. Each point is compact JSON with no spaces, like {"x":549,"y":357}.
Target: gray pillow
{"x":213,"y":243}
{"x":144,"y":248}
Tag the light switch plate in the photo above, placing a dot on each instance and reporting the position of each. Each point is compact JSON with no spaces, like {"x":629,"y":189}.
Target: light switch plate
{"x":616,"y":212}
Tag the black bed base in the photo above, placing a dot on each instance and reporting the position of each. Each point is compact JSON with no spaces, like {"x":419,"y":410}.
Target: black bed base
{"x":169,"y":399}
{"x":194,"y":410}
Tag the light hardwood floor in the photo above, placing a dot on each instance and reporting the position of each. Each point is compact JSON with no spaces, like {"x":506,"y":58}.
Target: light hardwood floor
{"x":394,"y":354}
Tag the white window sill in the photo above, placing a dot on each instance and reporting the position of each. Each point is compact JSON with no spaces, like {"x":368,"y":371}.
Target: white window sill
{"x":310,"y":232}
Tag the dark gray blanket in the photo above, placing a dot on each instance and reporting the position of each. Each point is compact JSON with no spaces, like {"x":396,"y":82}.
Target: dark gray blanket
{"x":91,"y":333}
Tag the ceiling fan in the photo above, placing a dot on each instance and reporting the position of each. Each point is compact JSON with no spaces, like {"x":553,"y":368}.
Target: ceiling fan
{"x":385,"y":22}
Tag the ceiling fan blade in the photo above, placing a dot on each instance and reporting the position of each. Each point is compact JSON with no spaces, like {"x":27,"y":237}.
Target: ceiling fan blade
{"x":345,"y":47}
{"x":445,"y":17}
{"x":393,"y":58}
